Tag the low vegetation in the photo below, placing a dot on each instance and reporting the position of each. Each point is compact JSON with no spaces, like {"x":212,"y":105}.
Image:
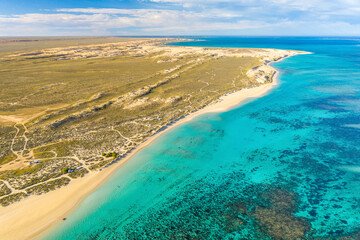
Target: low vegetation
{"x":4,"y":190}
{"x":48,"y":186}
{"x":78,"y":173}
{"x":9,"y":199}
{"x":110,"y":154}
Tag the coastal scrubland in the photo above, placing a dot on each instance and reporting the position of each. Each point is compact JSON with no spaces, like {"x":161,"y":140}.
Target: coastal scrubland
{"x":70,"y":106}
{"x":11,"y":44}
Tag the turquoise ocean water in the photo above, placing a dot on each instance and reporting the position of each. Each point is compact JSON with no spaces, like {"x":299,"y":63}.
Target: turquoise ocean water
{"x":283,"y":166}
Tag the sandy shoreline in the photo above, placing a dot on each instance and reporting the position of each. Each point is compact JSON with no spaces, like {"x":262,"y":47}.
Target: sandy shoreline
{"x":49,"y":209}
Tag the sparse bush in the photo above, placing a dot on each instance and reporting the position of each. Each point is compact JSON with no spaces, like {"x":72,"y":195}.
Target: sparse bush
{"x":48,"y":186}
{"x":7,"y":200}
{"x":78,"y":173}
{"x":65,"y":170}
{"x":4,"y":190}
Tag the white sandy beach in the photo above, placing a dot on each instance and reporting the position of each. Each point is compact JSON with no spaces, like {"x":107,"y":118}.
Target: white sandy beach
{"x":32,"y":216}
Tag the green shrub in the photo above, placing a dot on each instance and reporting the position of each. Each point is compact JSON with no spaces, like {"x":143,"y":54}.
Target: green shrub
{"x":78,"y":173}
{"x":65,"y":170}
{"x":5,"y":201}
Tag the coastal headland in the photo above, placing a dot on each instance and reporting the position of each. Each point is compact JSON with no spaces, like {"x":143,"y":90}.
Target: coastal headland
{"x":71,"y":115}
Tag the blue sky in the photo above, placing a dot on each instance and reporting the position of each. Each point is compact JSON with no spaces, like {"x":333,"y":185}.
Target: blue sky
{"x":180,"y":17}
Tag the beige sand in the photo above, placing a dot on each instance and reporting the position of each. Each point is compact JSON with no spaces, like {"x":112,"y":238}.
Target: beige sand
{"x":32,"y":216}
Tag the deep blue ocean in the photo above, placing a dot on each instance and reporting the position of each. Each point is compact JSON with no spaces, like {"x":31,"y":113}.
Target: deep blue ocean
{"x":283,"y":166}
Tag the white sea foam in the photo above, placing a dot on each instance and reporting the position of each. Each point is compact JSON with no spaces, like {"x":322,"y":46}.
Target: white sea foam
{"x":355,"y":169}
{"x":352,"y":125}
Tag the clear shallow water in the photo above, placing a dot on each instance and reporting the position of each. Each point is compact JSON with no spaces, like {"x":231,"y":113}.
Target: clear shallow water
{"x":283,"y":166}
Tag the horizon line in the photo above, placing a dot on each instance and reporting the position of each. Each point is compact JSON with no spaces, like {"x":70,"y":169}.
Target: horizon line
{"x":180,"y":36}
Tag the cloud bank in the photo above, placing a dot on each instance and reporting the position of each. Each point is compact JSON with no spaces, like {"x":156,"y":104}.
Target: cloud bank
{"x":194,"y":17}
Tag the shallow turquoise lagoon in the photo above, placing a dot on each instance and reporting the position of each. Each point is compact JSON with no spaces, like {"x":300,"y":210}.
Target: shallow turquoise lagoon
{"x":283,"y":166}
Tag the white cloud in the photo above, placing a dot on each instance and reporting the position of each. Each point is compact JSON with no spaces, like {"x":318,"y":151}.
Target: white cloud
{"x":225,"y":17}
{"x":318,"y":6}
{"x":148,"y":20}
